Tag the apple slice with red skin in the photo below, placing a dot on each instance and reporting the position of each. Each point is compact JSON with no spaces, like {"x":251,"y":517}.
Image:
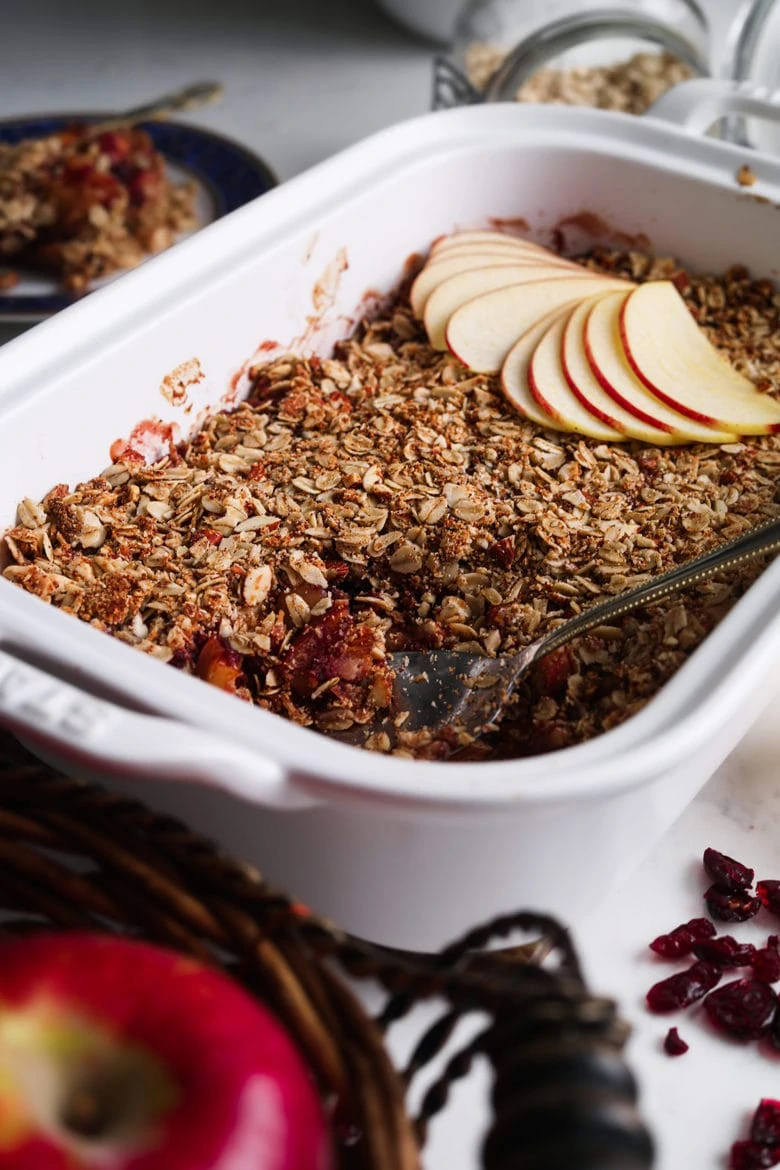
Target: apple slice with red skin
{"x":116,"y":1055}
{"x":550,"y":390}
{"x":607,"y":360}
{"x":448,"y":297}
{"x":482,"y":332}
{"x":584,"y":384}
{"x":434,"y":274}
{"x":673,"y":358}
{"x":514,"y":374}
{"x":655,"y":423}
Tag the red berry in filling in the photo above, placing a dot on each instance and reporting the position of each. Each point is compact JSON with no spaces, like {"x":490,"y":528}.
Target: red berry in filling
{"x":725,"y":952}
{"x":674,"y":1045}
{"x":115,"y":145}
{"x":744,"y":1009}
{"x":766,"y":965}
{"x":143,"y":186}
{"x":765,"y":1126}
{"x":551,"y":673}
{"x":682,"y":939}
{"x":678,"y":991}
{"x":731,"y":905}
{"x":769,"y":893}
{"x":726,"y":872}
{"x":751,"y":1156}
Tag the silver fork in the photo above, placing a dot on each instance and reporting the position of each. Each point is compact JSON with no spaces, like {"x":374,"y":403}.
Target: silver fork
{"x":435,"y":689}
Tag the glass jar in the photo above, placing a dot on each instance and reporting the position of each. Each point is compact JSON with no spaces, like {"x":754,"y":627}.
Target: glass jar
{"x":614,"y":54}
{"x":756,"y":59}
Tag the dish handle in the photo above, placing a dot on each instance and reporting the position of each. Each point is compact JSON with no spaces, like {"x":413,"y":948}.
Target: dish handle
{"x":698,"y":104}
{"x":104,"y":738}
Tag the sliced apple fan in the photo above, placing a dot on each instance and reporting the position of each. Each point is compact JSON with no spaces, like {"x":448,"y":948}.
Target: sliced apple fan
{"x":583,"y":352}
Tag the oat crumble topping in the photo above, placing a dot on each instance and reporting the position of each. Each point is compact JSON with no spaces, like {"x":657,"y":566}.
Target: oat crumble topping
{"x":386,"y":498}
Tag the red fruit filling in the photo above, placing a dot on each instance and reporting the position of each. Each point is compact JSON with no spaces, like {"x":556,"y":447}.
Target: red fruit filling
{"x":219,"y":664}
{"x":731,"y":905}
{"x":116,"y":145}
{"x":678,"y":991}
{"x":726,"y":872}
{"x":551,"y":673}
{"x":744,"y":1009}
{"x":766,"y":965}
{"x":751,"y":1156}
{"x":682,"y":940}
{"x":765,"y":1126}
{"x":674,"y":1044}
{"x":725,"y":952}
{"x":769,"y":894}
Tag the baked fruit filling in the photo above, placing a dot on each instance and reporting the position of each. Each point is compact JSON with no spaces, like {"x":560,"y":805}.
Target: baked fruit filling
{"x":389,"y":498}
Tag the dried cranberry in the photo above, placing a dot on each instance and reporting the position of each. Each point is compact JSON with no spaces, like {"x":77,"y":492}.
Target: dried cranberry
{"x":751,"y":1156}
{"x":769,"y":893}
{"x":504,"y":551}
{"x":725,"y":952}
{"x":744,"y":1008}
{"x":115,"y":145}
{"x":765,"y":1126}
{"x":678,"y":991}
{"x":766,"y":965}
{"x":682,"y":939}
{"x":143,"y":186}
{"x":210,"y":534}
{"x":674,"y":1044}
{"x":726,"y":872}
{"x":730,"y":905}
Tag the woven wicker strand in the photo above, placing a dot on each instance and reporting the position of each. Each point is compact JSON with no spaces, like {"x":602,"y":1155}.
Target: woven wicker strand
{"x":75,"y":856}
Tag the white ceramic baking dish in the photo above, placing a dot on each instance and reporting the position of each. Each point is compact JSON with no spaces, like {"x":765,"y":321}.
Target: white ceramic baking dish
{"x":408,"y":853}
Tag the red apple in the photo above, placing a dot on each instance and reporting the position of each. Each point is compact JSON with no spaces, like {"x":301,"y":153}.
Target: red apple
{"x":116,"y":1055}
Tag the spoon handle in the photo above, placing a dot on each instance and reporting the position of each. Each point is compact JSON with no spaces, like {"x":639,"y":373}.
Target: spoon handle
{"x":199,"y":94}
{"x":758,"y":542}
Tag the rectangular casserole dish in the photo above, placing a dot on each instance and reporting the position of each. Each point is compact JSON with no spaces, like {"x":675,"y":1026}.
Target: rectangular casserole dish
{"x":406,"y":852}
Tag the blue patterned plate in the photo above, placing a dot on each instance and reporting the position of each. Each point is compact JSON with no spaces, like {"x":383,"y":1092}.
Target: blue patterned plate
{"x":227,"y":175}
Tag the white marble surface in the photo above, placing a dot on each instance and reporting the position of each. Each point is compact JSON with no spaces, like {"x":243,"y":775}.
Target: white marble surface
{"x":697,"y":1104}
{"x":303,"y":80}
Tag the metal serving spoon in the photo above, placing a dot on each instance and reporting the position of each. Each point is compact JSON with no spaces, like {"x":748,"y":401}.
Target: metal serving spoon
{"x":435,"y":689}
